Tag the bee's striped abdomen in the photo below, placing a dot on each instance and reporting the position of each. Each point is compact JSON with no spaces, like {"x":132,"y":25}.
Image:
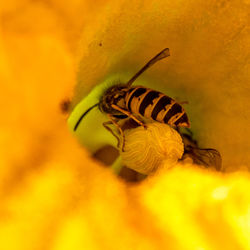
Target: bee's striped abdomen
{"x":174,"y":110}
{"x":160,"y":105}
{"x":134,"y":95}
{"x":147,"y":102}
{"x":155,"y":105}
{"x":182,"y":121}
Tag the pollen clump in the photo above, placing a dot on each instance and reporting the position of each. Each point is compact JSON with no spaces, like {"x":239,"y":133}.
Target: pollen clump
{"x":147,"y":150}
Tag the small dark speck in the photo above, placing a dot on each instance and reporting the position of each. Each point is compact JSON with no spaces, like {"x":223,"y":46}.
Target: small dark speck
{"x":65,"y":106}
{"x":100,"y":44}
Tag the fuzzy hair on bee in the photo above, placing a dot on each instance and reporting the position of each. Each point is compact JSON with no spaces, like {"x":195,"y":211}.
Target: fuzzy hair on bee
{"x":123,"y":101}
{"x":148,"y":150}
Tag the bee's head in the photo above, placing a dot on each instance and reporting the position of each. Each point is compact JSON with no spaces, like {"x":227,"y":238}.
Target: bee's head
{"x":113,"y":95}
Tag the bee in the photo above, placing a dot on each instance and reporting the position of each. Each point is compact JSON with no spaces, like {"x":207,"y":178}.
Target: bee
{"x":138,"y":103}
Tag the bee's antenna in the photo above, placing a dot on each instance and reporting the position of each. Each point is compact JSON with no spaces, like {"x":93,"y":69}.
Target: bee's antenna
{"x":85,"y":113}
{"x":164,"y":53}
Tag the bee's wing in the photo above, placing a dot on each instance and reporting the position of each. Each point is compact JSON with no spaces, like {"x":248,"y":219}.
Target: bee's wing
{"x":164,"y":53}
{"x":205,"y":156}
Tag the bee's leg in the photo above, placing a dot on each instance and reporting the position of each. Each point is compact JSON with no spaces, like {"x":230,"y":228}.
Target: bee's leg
{"x":121,"y":141}
{"x":120,"y":130}
{"x":127,"y":113}
{"x":105,"y":125}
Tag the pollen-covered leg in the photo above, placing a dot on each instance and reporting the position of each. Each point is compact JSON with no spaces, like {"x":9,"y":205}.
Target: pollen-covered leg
{"x":129,"y":115}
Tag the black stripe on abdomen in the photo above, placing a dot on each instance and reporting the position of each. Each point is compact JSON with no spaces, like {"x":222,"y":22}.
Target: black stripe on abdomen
{"x":161,"y":104}
{"x":182,"y":119}
{"x":175,"y":109}
{"x":148,"y":100}
{"x":137,"y":93}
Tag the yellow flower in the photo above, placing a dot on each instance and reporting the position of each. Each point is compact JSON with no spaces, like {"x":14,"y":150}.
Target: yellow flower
{"x":53,"y":195}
